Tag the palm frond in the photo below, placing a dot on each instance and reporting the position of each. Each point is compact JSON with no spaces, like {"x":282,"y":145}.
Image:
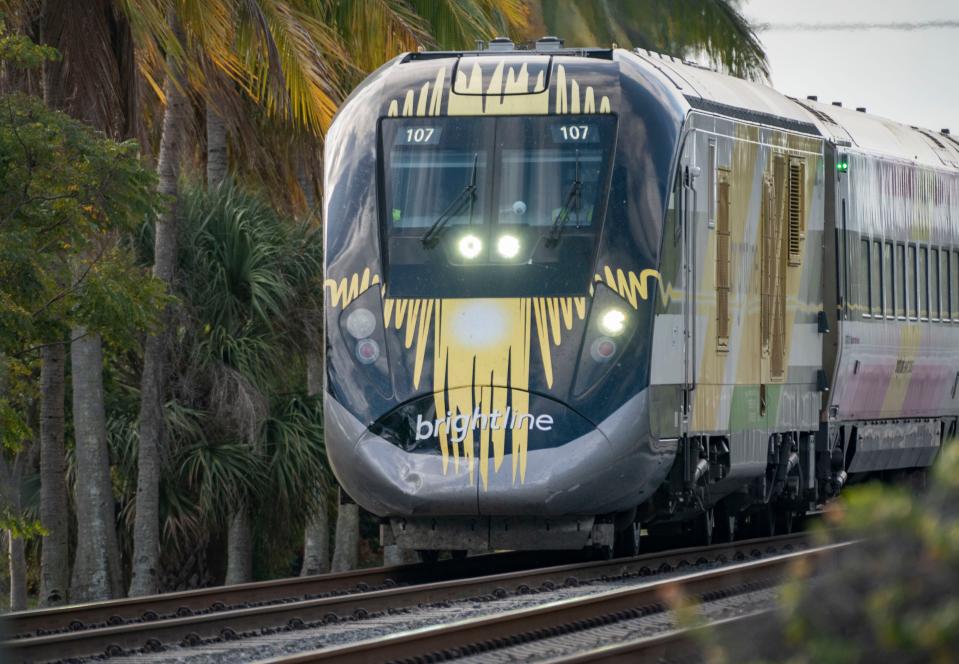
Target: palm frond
{"x":715,"y":28}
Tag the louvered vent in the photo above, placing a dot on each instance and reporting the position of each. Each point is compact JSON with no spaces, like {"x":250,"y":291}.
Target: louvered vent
{"x":722,"y":263}
{"x":796,"y":212}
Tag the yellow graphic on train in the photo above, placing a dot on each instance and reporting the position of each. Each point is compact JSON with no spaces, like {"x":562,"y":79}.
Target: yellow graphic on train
{"x":479,"y":347}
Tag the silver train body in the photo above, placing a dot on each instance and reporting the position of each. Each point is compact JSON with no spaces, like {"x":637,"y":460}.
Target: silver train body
{"x":570,"y":292}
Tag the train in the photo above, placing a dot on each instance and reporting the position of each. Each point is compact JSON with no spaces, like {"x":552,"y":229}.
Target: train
{"x":575,"y":297}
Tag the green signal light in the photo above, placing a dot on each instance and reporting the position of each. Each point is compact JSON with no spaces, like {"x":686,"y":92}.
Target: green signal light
{"x":842,"y":166}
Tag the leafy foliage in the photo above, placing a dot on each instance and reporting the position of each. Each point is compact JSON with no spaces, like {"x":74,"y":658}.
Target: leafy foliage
{"x":20,"y":51}
{"x":889,"y":599}
{"x":63,"y":192}
{"x":238,"y":434}
{"x":688,"y":28}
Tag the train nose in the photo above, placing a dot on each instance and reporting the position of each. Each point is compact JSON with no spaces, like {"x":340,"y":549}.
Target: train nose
{"x":531,"y":456}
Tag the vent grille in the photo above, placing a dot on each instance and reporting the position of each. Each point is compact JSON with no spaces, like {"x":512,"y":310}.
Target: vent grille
{"x":797,"y":212}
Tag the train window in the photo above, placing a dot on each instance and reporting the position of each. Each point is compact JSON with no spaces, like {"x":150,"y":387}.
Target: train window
{"x":913,"y":287}
{"x":889,"y":282}
{"x":923,"y":283}
{"x":954,"y":284}
{"x":432,"y":166}
{"x":901,"y":280}
{"x":878,"y":297}
{"x":935,"y":277}
{"x":492,"y":206}
{"x":865,"y":281}
{"x":935,"y":302}
{"x":944,"y":285}
{"x":947,"y":287}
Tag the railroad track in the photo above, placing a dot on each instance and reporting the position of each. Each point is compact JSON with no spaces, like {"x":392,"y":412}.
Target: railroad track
{"x":483,"y":638}
{"x":44,"y":622}
{"x":227,"y":613}
{"x":683,"y":644}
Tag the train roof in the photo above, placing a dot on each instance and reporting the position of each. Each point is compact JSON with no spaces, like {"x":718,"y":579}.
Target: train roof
{"x":713,"y":91}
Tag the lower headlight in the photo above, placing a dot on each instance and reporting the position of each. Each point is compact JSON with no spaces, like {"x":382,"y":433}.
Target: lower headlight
{"x":360,"y":323}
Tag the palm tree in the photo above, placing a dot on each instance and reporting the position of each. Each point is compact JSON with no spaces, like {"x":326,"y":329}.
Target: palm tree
{"x":272,"y":50}
{"x":234,"y":440}
{"x":688,"y":28}
{"x":94,"y":82}
{"x":95,"y":576}
{"x":54,"y":561}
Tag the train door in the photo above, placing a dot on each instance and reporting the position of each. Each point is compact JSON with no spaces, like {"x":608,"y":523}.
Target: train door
{"x":773,"y":256}
{"x":688,"y":215}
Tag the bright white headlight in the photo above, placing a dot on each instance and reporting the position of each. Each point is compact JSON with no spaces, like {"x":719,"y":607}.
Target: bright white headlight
{"x":613,"y":322}
{"x":507,"y":246}
{"x":470,"y":246}
{"x":360,"y":323}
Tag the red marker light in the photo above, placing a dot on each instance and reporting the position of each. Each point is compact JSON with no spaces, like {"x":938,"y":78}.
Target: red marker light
{"x":367,"y":351}
{"x":603,"y":349}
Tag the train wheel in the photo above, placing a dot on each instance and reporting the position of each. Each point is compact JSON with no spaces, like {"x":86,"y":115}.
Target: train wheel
{"x":428,"y":555}
{"x":767,"y":521}
{"x":704,"y":527}
{"x":626,"y":541}
{"x":724,"y":529}
{"x":785,"y":522}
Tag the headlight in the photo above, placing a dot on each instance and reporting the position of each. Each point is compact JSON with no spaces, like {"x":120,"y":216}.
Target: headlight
{"x":367,"y":351}
{"x":613,"y":322}
{"x":507,"y":246}
{"x":360,"y":323}
{"x":470,"y":246}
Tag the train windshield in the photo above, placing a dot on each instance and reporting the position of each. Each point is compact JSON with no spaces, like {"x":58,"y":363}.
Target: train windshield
{"x":505,"y":206}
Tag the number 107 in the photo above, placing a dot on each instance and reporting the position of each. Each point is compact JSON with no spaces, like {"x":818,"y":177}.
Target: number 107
{"x":574,"y":132}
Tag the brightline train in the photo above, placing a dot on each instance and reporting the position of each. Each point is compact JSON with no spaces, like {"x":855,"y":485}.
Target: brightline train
{"x":576,"y":294}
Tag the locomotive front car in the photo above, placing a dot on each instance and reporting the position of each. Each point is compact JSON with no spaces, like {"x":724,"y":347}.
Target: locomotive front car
{"x":493,"y":225}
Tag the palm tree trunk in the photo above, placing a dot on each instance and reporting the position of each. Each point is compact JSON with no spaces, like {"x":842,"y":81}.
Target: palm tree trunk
{"x":316,"y":537}
{"x":216,"y":156}
{"x":305,"y":181}
{"x":346,"y":552}
{"x":146,"y":526}
{"x":11,"y":475}
{"x":316,"y":541}
{"x":239,"y":551}
{"x":18,"y":573}
{"x":239,"y":568}
{"x":54,"y":554}
{"x":96,"y":569}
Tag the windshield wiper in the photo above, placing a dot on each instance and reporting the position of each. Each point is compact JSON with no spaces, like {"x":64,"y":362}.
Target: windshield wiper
{"x":572,"y":202}
{"x":468,"y":194}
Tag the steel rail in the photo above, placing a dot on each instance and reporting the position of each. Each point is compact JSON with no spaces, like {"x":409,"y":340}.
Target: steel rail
{"x":41,"y":622}
{"x":473,"y":636}
{"x":668,"y":646}
{"x":228,"y":624}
